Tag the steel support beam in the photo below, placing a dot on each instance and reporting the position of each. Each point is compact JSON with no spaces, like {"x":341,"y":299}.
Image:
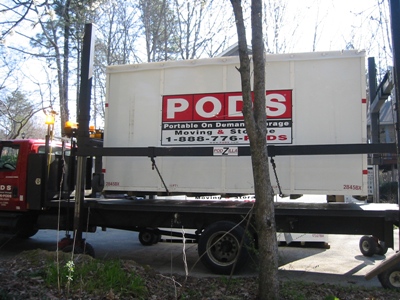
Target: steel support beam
{"x":273,"y":150}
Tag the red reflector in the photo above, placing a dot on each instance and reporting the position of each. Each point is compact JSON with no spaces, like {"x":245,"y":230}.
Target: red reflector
{"x":365,"y":172}
{"x":106,"y":104}
{"x":364,"y":100}
{"x":103,"y":170}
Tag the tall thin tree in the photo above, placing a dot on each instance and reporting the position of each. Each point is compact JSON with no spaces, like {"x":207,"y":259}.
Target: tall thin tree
{"x":256,"y":126}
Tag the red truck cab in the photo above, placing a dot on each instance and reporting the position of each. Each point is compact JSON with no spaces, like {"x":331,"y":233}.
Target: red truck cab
{"x":17,"y":172}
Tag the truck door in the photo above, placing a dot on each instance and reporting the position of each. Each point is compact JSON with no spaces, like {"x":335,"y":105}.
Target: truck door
{"x":12,"y":182}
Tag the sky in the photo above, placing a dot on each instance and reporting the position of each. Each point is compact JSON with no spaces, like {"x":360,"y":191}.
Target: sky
{"x":335,"y":22}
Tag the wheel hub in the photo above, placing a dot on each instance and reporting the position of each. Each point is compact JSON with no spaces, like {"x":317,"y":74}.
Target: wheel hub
{"x":225,"y":248}
{"x":395,"y":278}
{"x":365,"y":245}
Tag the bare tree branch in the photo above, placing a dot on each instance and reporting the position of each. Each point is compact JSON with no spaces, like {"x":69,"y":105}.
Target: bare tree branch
{"x":27,"y":4}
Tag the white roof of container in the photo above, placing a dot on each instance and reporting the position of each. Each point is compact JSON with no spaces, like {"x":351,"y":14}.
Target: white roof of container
{"x":190,"y":63}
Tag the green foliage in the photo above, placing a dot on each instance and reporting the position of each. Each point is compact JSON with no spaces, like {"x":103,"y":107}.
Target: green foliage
{"x":229,"y":280}
{"x":299,"y":290}
{"x":293,"y":290}
{"x":4,"y":295}
{"x":118,"y":279}
{"x":16,"y":113}
{"x":159,"y":24}
{"x":331,"y":298}
{"x":98,"y":277}
{"x":388,"y":192}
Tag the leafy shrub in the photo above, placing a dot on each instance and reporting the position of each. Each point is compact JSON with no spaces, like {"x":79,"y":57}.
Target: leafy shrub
{"x":388,"y":192}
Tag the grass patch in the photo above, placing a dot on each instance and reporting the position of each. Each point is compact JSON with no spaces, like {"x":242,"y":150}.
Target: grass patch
{"x":301,"y":290}
{"x":4,"y":295}
{"x":96,"y":277}
{"x":35,"y":274}
{"x":293,"y":290}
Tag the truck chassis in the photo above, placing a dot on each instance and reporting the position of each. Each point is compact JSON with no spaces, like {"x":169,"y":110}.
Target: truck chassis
{"x":220,"y":225}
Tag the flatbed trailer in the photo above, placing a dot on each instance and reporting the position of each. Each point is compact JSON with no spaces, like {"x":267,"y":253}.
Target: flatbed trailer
{"x":331,"y":218}
{"x":212,"y":220}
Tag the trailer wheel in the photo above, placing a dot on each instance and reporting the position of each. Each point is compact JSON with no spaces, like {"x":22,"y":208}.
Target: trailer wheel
{"x":219,"y":247}
{"x":148,"y":237}
{"x":25,"y":226}
{"x":89,"y":250}
{"x":156,"y":237}
{"x":368,"y":245}
{"x":26,"y":233}
{"x":390,"y":279}
{"x":382,"y":248}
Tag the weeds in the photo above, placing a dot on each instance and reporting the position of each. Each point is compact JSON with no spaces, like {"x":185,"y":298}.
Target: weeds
{"x":94,"y":276}
{"x":35,"y":277}
{"x":4,"y":295}
{"x":288,"y":291}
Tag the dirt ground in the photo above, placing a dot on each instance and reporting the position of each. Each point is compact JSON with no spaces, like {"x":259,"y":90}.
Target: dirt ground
{"x":22,"y":277}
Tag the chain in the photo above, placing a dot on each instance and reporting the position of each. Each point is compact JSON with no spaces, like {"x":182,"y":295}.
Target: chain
{"x":276,"y":177}
{"x":159,"y":174}
{"x":272,"y":163}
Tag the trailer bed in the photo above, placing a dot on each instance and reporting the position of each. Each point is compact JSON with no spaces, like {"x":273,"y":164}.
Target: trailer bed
{"x":329,"y":218}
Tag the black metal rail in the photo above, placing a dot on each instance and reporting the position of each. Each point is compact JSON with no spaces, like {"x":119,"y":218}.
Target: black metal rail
{"x":273,"y":150}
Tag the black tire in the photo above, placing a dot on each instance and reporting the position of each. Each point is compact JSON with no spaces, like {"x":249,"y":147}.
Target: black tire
{"x":382,"y":248}
{"x":88,"y":250}
{"x":219,"y":247}
{"x":26,"y":226}
{"x":147,"y":237}
{"x":368,"y":245}
{"x":26,"y":233}
{"x":156,"y":237}
{"x":390,"y":279}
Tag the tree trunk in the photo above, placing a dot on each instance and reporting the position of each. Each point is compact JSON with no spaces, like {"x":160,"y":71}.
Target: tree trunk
{"x":65,"y":73}
{"x":255,"y":120}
